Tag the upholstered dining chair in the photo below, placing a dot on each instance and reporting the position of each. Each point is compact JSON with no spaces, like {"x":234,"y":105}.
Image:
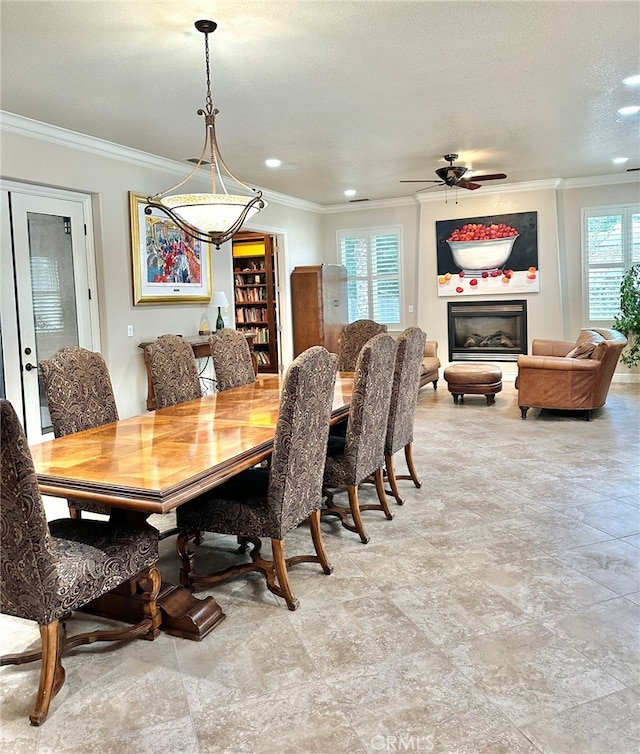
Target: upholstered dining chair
{"x":49,"y":570}
{"x":359,"y":453}
{"x":174,"y":371}
{"x":352,"y":337}
{"x":261,"y":502}
{"x":80,"y":396}
{"x":402,"y":408}
{"x":231,"y":359}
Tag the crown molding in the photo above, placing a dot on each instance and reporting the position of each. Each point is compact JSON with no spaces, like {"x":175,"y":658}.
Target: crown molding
{"x":399,"y":201}
{"x":600,"y":180}
{"x":508,"y":188}
{"x":36,"y":129}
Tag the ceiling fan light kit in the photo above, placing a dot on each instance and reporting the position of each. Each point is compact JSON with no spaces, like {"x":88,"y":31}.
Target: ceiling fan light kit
{"x":453,"y":176}
{"x":218,"y":216}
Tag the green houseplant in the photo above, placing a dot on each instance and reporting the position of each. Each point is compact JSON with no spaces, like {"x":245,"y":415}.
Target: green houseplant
{"x":628,"y":321}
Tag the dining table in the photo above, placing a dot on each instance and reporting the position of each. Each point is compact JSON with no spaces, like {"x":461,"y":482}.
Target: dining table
{"x":156,"y":461}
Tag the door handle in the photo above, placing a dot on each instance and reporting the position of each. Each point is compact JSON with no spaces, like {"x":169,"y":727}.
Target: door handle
{"x":28,"y":367}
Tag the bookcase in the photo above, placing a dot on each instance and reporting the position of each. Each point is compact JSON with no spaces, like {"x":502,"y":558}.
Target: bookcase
{"x":255,"y":295}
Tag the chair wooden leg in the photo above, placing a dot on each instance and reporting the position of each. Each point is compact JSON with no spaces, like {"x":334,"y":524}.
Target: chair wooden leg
{"x":149,"y":583}
{"x":381,"y":493}
{"x":51,"y":674}
{"x":391,"y":476}
{"x":408,"y":454}
{"x":280,"y":565}
{"x":318,"y":542}
{"x":354,"y":505}
{"x":187,"y":557}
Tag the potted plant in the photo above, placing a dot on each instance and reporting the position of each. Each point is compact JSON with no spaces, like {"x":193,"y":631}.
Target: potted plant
{"x":628,"y":321}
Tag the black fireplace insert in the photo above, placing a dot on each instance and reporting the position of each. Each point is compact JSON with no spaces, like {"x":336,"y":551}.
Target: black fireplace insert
{"x":487,"y":330}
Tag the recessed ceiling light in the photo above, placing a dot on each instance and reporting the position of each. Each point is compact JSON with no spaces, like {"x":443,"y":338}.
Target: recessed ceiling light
{"x":619,"y":160}
{"x":273,"y":162}
{"x":350,"y":192}
{"x":632,"y":80}
{"x":631,"y":110}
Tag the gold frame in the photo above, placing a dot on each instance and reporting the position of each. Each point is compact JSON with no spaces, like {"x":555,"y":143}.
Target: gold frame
{"x":164,"y":291}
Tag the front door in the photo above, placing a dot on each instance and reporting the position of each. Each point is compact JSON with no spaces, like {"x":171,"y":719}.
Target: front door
{"x":48,"y":259}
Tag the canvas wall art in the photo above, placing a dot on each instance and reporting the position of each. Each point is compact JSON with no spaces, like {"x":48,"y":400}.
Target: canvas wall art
{"x":488,"y":256}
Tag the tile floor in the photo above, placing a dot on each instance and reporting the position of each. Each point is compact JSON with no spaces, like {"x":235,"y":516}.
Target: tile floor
{"x":499,"y":612}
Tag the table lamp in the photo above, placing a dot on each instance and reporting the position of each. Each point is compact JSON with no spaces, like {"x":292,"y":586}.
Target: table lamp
{"x":219,"y":299}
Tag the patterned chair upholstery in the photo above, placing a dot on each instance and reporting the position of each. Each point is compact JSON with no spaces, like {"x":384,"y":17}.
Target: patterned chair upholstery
{"x":262,"y":502}
{"x":231,"y":359}
{"x":402,"y":409}
{"x":78,"y":388}
{"x":48,"y":570}
{"x":174,"y":371}
{"x":352,"y":339}
{"x":360,"y":452}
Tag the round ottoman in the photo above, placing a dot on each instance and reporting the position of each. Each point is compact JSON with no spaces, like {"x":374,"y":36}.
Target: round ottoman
{"x":473,"y":379}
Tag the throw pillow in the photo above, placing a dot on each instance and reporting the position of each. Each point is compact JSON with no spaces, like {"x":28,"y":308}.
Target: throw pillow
{"x":586,"y":345}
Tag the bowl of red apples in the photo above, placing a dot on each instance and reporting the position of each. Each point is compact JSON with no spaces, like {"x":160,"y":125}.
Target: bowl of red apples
{"x":482,"y":247}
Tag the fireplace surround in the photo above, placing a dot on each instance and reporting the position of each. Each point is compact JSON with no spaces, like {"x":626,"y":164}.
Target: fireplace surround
{"x":487,"y":330}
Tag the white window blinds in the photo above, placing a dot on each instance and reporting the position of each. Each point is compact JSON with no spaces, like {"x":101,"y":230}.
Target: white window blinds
{"x":611,"y":245}
{"x":372,"y":259}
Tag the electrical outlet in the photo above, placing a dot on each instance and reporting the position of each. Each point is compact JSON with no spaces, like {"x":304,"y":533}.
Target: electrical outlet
{"x":410,"y":309}
{"x":130,"y":331}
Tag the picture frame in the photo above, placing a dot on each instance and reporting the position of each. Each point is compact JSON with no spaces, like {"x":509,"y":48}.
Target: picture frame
{"x":493,"y":266}
{"x":168,"y":265}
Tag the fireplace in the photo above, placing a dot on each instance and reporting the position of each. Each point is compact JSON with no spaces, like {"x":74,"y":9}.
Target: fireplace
{"x":487,"y":330}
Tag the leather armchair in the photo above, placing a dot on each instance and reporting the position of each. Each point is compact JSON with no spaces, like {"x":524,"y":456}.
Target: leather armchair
{"x":569,"y":376}
{"x":430,"y":364}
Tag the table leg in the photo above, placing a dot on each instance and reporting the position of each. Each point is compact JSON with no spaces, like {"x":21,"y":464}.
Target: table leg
{"x":182,"y":613}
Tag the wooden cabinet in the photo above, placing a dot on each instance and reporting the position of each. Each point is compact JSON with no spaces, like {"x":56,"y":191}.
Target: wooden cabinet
{"x":255,"y":295}
{"x":318,"y":306}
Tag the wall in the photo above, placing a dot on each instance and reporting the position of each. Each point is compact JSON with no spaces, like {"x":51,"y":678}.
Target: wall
{"x":571,"y":202}
{"x":402,"y":212}
{"x":53,"y":157}
{"x":554,"y":312}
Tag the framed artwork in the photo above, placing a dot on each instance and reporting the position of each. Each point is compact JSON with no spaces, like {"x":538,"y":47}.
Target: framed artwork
{"x":169,"y":266}
{"x":487,"y":256}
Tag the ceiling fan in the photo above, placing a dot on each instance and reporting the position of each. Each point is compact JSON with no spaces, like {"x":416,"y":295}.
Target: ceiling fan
{"x":453,"y":175}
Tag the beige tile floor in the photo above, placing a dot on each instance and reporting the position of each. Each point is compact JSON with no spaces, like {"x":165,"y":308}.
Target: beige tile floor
{"x":499,"y":612}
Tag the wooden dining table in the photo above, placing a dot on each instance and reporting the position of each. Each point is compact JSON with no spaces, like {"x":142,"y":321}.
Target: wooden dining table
{"x":154,"y":462}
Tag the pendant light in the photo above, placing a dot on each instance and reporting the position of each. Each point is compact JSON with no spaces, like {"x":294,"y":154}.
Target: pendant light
{"x":218,"y":216}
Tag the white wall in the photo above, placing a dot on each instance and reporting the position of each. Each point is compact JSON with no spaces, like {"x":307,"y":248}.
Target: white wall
{"x":47,"y":160}
{"x":402,"y":212}
{"x":554,"y":312}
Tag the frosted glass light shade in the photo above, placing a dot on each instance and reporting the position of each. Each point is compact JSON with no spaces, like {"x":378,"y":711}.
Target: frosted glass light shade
{"x":219,"y":298}
{"x":211,"y":213}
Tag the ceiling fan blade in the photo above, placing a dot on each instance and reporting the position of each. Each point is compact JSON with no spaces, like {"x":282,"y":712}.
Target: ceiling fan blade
{"x":491,"y":177}
{"x":420,"y":180}
{"x":469,"y":185}
{"x":426,"y":188}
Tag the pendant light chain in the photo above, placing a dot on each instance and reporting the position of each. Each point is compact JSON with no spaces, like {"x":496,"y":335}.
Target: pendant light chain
{"x":209,"y":99}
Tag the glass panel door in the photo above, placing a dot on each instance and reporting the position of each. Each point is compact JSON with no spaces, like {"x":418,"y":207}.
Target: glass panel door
{"x":52,"y":292}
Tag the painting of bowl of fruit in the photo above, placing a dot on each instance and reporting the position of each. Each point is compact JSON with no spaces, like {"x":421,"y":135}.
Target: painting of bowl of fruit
{"x":477,"y":246}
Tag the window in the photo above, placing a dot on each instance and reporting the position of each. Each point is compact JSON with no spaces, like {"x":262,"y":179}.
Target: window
{"x":372,"y":259}
{"x":611,"y":245}
{"x":47,"y":299}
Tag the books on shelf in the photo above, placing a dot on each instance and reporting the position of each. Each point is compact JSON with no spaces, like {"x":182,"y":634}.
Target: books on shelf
{"x":251,"y":314}
{"x":251,"y":294}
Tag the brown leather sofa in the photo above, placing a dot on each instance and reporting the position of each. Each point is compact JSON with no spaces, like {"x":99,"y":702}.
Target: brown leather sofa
{"x":430,"y":364}
{"x":569,"y":376}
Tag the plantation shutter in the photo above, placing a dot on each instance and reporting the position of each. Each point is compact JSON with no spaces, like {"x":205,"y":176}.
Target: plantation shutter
{"x":612,"y":245}
{"x":372,"y":259}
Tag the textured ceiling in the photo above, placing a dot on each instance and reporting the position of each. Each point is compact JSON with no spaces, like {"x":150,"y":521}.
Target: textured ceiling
{"x":347,"y":94}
